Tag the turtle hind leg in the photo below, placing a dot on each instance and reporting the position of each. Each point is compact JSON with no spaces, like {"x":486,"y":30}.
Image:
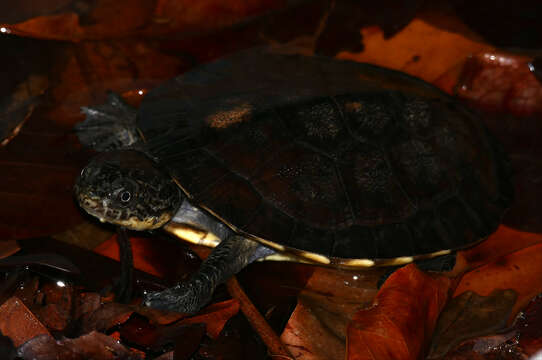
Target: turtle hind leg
{"x":227,"y":259}
{"x":109,"y":126}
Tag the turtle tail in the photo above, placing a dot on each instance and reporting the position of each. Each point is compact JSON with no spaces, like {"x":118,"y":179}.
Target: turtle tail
{"x":109,"y":126}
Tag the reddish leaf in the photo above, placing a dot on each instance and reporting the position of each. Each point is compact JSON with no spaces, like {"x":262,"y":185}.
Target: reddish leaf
{"x":421,"y":48}
{"x":56,"y":305}
{"x":86,"y":303}
{"x":188,"y":342}
{"x":509,"y":94}
{"x":317,"y":328}
{"x":100,"y":21}
{"x":215,"y":316}
{"x":106,"y":317}
{"x":402,"y":320}
{"x":503,"y":242}
{"x":137,"y":330}
{"x":138,"y":19}
{"x":55,"y":27}
{"x":155,"y":256}
{"x":206,"y":15}
{"x":529,"y":325}
{"x":307,"y":337}
{"x":8,"y":248}
{"x":496,"y":347}
{"x":94,"y":345}
{"x":501,"y":82}
{"x":159,"y":317}
{"x":18,"y":323}
{"x":21,"y":104}
{"x":117,"y":65}
{"x":519,"y":271}
{"x":470,"y":315}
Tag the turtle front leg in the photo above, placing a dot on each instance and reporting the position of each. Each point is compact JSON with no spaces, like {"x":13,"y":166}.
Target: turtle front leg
{"x":227,"y":259}
{"x":124,"y":286}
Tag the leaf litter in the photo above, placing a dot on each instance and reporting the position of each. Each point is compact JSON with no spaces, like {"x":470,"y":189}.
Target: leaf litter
{"x":332,"y":317}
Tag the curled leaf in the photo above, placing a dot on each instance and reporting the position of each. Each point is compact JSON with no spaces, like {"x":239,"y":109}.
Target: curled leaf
{"x":519,"y":271}
{"x":400,"y":324}
{"x":469,"y":315}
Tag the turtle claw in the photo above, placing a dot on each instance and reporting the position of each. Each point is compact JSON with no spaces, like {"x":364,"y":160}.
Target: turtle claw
{"x":184,"y":298}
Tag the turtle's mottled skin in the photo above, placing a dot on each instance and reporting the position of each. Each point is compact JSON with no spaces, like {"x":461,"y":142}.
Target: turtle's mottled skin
{"x":126,"y":188}
{"x":338,"y":163}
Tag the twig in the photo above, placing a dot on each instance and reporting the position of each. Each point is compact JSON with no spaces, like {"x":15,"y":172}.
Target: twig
{"x":275,"y":347}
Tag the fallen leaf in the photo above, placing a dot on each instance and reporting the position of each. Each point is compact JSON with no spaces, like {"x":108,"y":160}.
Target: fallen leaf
{"x":496,"y":347}
{"x":141,"y":17}
{"x":8,"y":248}
{"x":106,"y":317}
{"x":505,"y":90}
{"x":16,"y":110}
{"x":215,"y":316}
{"x":307,"y":337}
{"x":18,"y":323}
{"x":402,"y":320}
{"x":56,"y":305}
{"x":470,"y":315}
{"x":501,"y":82}
{"x":318,"y":326}
{"x":87,"y":235}
{"x":138,"y":331}
{"x":158,"y":317}
{"x":207,"y":15}
{"x":237,"y":341}
{"x":155,"y":255}
{"x":519,"y":271}
{"x":87,"y":302}
{"x":116,"y":65}
{"x":97,"y":21}
{"x":529,"y":326}
{"x":94,"y":345}
{"x":502,"y":242}
{"x":188,"y":342}
{"x":420,"y":49}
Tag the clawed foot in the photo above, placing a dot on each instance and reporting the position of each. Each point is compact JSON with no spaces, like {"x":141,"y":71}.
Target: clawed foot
{"x":183,"y":298}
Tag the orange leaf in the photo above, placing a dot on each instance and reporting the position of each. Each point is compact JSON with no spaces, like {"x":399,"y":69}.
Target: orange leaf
{"x":401,"y":322}
{"x":520,"y":271}
{"x":140,"y":17}
{"x":18,"y":323}
{"x":145,"y":254}
{"x":215,"y":316}
{"x":56,"y":27}
{"x":420,"y":49}
{"x":503,"y":242}
{"x":205,"y":15}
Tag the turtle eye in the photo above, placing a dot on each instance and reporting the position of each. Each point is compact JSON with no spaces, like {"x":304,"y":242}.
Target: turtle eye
{"x":125,"y":196}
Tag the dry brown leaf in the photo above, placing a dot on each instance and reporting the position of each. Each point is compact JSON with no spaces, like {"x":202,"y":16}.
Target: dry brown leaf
{"x":400,"y":324}
{"x":520,"y":271}
{"x":94,"y":345}
{"x":331,"y":297}
{"x":470,"y":315}
{"x":420,"y":49}
{"x":18,"y":323}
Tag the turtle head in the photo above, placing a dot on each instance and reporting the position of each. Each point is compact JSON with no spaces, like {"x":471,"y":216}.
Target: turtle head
{"x":127,"y":188}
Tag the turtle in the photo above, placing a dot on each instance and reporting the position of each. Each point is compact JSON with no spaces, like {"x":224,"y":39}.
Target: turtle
{"x":274,"y":155}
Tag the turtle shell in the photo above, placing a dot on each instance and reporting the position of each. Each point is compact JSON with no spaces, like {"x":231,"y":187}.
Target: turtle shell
{"x":342,"y":163}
